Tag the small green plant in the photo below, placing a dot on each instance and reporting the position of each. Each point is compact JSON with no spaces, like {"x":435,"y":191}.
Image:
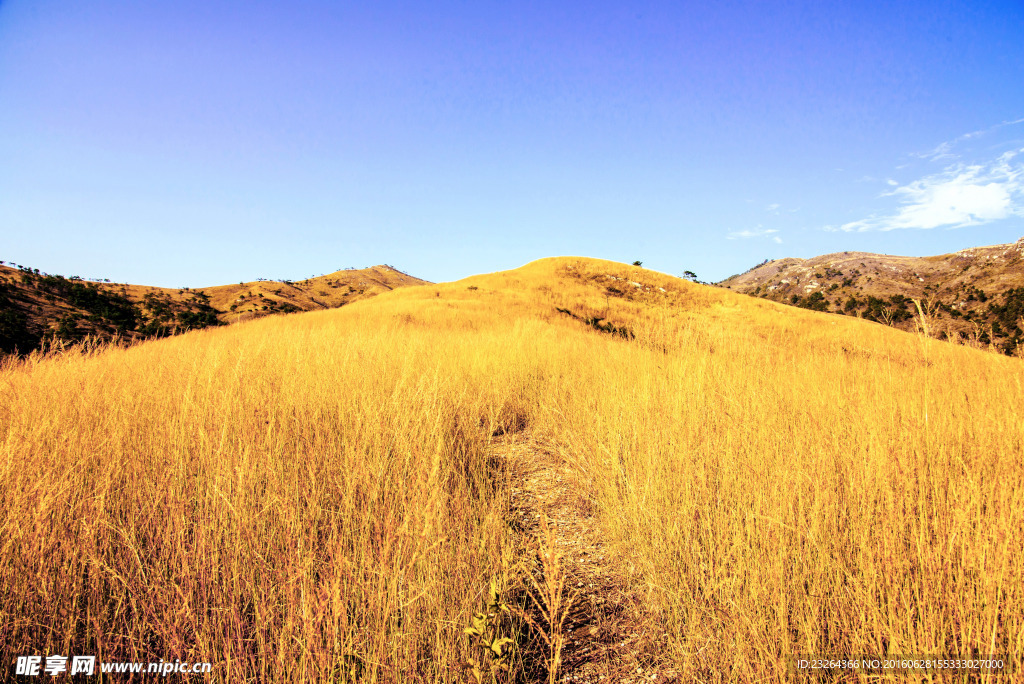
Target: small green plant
{"x":485,"y":634}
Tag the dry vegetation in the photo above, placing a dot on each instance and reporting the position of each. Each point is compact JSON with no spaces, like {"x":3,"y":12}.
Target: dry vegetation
{"x":316,"y":497}
{"x":974,"y":295}
{"x":39,"y":311}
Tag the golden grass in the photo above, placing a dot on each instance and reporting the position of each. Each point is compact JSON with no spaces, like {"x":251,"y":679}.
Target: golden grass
{"x":275,"y":498}
{"x":311,"y":497}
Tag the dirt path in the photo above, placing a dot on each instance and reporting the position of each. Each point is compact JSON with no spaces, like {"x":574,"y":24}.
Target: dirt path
{"x":606,"y":636}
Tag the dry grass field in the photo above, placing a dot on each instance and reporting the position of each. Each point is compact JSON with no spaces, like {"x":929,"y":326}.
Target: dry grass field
{"x":316,"y":497}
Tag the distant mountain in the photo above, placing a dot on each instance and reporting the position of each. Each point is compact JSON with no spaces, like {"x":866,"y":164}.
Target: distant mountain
{"x":39,"y":308}
{"x":977,"y":293}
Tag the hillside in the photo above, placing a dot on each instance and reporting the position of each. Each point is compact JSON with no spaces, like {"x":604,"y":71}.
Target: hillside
{"x":36,"y":308}
{"x":976,"y":294}
{"x":576,"y":470}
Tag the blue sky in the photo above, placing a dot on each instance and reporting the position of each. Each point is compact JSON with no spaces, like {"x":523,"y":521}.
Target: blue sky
{"x":200,"y":143}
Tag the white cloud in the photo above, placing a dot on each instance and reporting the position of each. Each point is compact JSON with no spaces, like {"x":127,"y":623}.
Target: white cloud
{"x":945,"y":150}
{"x":961,"y":195}
{"x":752,"y":233}
{"x":872,"y":179}
{"x":774,"y":207}
{"x":777,"y":240}
{"x":941,"y":151}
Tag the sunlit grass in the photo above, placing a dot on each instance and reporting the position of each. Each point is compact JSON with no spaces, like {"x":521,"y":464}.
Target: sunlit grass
{"x":311,"y":496}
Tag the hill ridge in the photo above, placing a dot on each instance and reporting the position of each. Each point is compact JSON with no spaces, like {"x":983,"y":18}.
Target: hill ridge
{"x":38,"y":308}
{"x":975,"y":293}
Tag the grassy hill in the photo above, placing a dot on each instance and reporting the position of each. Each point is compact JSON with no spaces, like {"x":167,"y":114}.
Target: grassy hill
{"x":317,"y":497}
{"x":39,"y":308}
{"x":976,"y":295}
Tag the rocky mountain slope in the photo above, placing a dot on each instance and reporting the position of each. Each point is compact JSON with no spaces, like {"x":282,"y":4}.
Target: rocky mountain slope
{"x":975,"y":294}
